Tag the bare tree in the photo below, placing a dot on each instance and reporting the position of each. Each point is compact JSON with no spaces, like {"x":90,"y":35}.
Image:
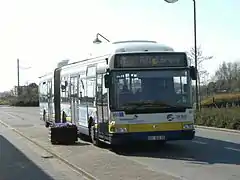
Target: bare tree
{"x":203,"y":74}
{"x":228,"y":77}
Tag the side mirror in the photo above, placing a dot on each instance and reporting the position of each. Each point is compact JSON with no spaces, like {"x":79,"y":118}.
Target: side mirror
{"x":193,"y":73}
{"x":107,"y":80}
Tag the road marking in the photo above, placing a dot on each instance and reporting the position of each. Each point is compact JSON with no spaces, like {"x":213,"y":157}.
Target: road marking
{"x":199,"y":142}
{"x":14,"y":116}
{"x":70,"y":165}
{"x":11,"y":115}
{"x":233,"y":149}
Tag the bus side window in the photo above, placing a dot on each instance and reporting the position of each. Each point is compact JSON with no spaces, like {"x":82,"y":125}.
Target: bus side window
{"x":82,"y":90}
{"x":44,"y":92}
{"x":91,"y":88}
{"x":99,"y":89}
{"x":49,"y":88}
{"x":40,"y":92}
{"x":63,"y":90}
{"x":104,"y":95}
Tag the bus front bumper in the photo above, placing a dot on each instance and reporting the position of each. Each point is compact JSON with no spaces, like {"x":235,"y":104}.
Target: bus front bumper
{"x":126,"y":138}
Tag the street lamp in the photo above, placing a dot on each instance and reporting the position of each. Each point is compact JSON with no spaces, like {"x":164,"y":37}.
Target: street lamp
{"x":195,"y":46}
{"x":171,"y":1}
{"x":98,"y":41}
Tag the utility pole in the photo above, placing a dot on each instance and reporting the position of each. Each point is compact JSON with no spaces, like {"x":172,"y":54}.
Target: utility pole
{"x":195,"y":49}
{"x":195,"y":54}
{"x":18,"y":79}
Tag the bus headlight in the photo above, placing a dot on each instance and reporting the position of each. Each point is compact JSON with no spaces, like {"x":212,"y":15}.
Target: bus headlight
{"x":120,"y":130}
{"x":188,"y":126}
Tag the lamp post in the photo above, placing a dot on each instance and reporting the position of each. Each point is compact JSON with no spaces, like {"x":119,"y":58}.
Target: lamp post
{"x":98,"y":41}
{"x":195,"y":47}
{"x":18,"y":76}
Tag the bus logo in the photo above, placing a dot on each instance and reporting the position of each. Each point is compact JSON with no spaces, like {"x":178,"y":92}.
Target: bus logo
{"x":170,"y":117}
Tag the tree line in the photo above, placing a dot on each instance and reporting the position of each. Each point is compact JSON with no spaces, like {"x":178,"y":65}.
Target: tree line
{"x":28,"y":96}
{"x":226,"y":79}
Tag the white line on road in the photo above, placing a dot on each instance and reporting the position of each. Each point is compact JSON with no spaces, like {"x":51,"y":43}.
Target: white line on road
{"x":199,"y":142}
{"x":233,"y":149}
{"x":13,"y":116}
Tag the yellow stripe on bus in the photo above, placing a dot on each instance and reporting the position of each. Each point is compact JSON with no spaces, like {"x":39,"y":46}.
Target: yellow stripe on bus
{"x":69,"y":119}
{"x":169,"y":126}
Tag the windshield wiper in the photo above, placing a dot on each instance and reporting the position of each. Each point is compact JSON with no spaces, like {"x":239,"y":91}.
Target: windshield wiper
{"x":147,"y":103}
{"x":132,"y":105}
{"x":154,"y":103}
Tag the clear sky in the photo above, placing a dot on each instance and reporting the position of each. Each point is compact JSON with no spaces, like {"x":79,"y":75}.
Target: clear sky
{"x":42,"y":32}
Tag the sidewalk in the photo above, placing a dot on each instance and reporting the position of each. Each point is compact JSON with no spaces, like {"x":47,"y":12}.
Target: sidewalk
{"x":101,"y":163}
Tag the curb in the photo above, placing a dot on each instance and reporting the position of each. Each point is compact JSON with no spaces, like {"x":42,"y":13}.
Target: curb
{"x":74,"y":167}
{"x":218,"y":129}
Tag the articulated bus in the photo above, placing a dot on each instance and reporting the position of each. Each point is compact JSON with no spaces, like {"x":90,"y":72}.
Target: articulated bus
{"x":138,"y":91}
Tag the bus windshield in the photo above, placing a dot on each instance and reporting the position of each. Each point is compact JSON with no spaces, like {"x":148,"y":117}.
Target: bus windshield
{"x":151,"y":89}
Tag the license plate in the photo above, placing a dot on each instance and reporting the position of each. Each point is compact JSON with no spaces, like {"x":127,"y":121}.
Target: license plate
{"x":154,"y":138}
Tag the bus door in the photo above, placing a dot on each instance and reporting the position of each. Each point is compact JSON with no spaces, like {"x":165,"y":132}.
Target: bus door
{"x":49,"y":100}
{"x":102,"y":107}
{"x":74,"y":101}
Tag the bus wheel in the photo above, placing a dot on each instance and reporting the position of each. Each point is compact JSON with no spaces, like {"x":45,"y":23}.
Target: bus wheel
{"x":94,"y":139}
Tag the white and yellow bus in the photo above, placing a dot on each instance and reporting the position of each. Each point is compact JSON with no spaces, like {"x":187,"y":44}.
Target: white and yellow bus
{"x":138,"y":91}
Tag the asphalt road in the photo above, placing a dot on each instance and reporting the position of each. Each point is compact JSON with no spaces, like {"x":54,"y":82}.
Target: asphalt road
{"x":211,"y":155}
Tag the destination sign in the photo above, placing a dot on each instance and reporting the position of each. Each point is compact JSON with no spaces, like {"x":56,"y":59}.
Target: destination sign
{"x":146,"y":60}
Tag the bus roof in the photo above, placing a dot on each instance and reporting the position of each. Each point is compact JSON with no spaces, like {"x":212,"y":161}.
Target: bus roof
{"x":139,"y":46}
{"x":46,"y":76}
{"x":131,"y":46}
{"x":118,"y":47}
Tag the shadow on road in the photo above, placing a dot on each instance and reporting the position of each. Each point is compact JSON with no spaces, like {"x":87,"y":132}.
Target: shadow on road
{"x":200,"y":151}
{"x":14,"y":165}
